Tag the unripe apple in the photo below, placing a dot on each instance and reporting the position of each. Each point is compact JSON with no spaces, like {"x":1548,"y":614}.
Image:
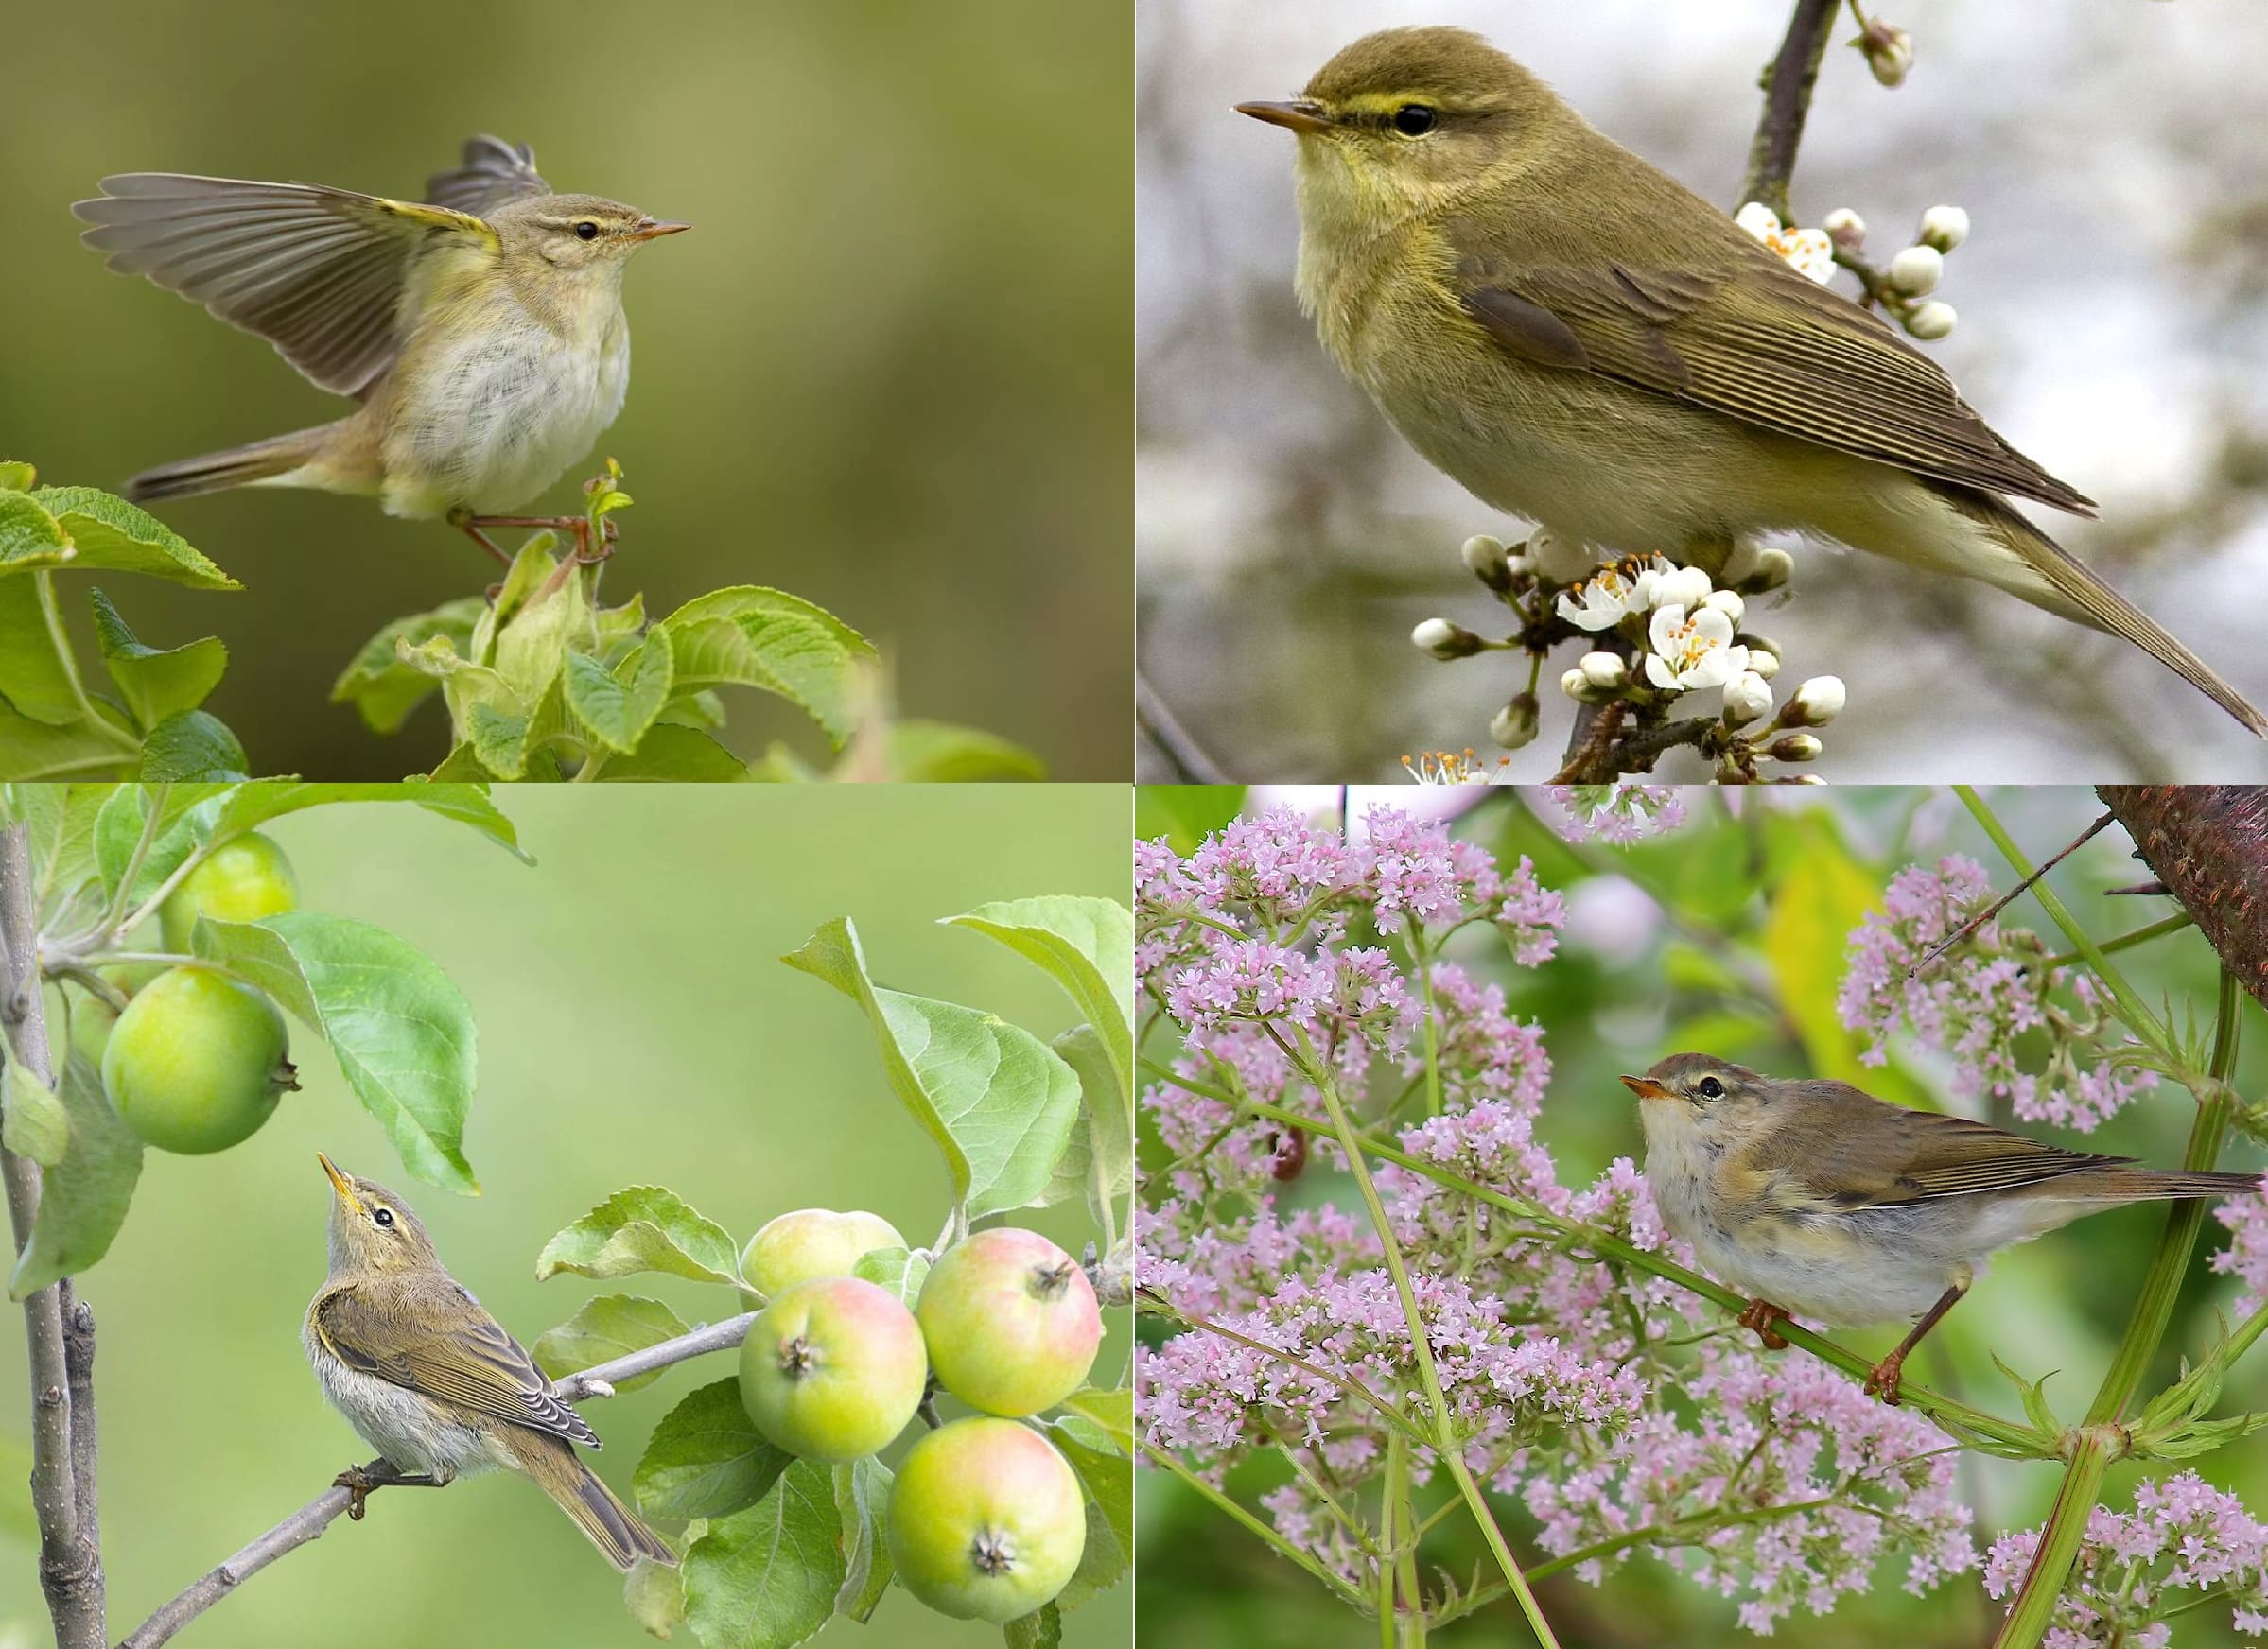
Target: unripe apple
{"x":196,"y":1062}
{"x":243,"y":880}
{"x":810,"y":1244}
{"x":986,"y":1521}
{"x":832,"y":1369}
{"x":1010,"y":1321}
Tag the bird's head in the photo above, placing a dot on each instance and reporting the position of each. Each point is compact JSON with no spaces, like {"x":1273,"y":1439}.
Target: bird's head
{"x":1697,"y":1098}
{"x":576,"y":235}
{"x":372,"y":1229}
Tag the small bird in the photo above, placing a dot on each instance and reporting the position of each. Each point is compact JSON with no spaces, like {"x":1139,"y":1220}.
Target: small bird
{"x":1576,"y":338}
{"x":1815,"y":1197}
{"x":434,"y":1383}
{"x":481,"y":331}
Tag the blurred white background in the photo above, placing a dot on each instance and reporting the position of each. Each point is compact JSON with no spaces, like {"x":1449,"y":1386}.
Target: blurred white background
{"x":2114,"y":159}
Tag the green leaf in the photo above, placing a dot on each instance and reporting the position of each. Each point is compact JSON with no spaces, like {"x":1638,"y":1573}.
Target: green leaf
{"x":1040,"y":1629}
{"x":33,"y":750}
{"x":937,"y":753}
{"x":32,"y":1121}
{"x":893,"y":1269}
{"x":250,"y":806}
{"x":751,"y":637}
{"x":606,"y":1328}
{"x":1098,"y":1159}
{"x":191,"y":746}
{"x":59,"y":820}
{"x":380,"y":685}
{"x":83,"y":1198}
{"x":618,"y":707}
{"x":29,"y":537}
{"x":1086,"y":946}
{"x":107,"y":531}
{"x":1184,"y":814}
{"x":499,"y":738}
{"x":1111,"y":1409}
{"x":861,"y":1502}
{"x":706,"y":1459}
{"x":655,"y":1596}
{"x":672,"y":754}
{"x":401,"y":1032}
{"x":118,"y":832}
{"x":997,"y":1100}
{"x":2033,"y":1394}
{"x":532,"y":645}
{"x":38,"y":675}
{"x":642,"y":1228}
{"x":156,"y":683}
{"x":1107,"y":1476}
{"x":768,"y":1577}
{"x":17,"y":476}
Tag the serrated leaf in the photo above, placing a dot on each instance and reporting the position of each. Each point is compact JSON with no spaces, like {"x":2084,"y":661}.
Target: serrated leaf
{"x":767,"y":1577}
{"x":641,"y":1229}
{"x":34,"y":752}
{"x":1112,"y":1410}
{"x":37,"y":676}
{"x":33,"y":1121}
{"x":532,"y":645}
{"x":83,"y":1198}
{"x":402,"y":1032}
{"x":997,"y":1100}
{"x":2033,"y":1395}
{"x":59,"y":820}
{"x":1086,"y":946}
{"x":655,"y":1596}
{"x":499,"y":738}
{"x":606,"y":1328}
{"x":861,"y":1502}
{"x":1107,"y":1476}
{"x":757,"y":637}
{"x":106,"y":531}
{"x":618,"y":707}
{"x":531,"y":565}
{"x":380,"y":685}
{"x":1040,"y":1629}
{"x":216,"y":820}
{"x":155,"y":682}
{"x":1103,"y":1561}
{"x":29,"y":537}
{"x":937,"y":753}
{"x":672,"y":755}
{"x":191,"y":747}
{"x":894,"y":1269}
{"x":706,"y":1459}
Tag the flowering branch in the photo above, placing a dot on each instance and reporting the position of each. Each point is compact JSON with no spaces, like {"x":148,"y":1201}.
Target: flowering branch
{"x":1788,"y":82}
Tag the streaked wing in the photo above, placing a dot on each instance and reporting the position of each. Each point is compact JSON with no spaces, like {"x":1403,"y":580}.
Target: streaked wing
{"x":438,"y":1348}
{"x":1890,"y":1153}
{"x":493,"y":172}
{"x":317,"y":272}
{"x":1753,"y":339}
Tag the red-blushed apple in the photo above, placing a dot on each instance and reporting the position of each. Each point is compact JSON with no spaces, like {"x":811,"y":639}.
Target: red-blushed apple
{"x":810,"y":1244}
{"x":1010,"y":1321}
{"x":832,"y":1369}
{"x":986,"y":1521}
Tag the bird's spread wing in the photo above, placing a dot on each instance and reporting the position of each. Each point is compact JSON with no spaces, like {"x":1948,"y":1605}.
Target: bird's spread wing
{"x":434,"y":1344}
{"x":317,"y":272}
{"x":1901,"y":1156}
{"x":1752,"y":339}
{"x":493,"y":172}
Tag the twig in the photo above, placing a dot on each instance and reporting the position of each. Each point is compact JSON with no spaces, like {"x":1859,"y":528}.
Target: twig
{"x":311,"y":1519}
{"x":78,"y":1370}
{"x":70,"y":1563}
{"x":2010,"y":897}
{"x":1189,"y":762}
{"x":1788,"y":82}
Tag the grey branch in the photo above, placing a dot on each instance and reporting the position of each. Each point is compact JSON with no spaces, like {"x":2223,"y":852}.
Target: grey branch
{"x":1189,"y":762}
{"x":1788,"y":80}
{"x":311,"y":1519}
{"x":70,"y":1557}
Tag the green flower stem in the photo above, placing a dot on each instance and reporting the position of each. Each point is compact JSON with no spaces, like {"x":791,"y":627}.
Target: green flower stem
{"x":1394,"y":1511}
{"x":1167,"y":1459}
{"x":2172,"y":924}
{"x":1423,"y":958}
{"x":115,"y":911}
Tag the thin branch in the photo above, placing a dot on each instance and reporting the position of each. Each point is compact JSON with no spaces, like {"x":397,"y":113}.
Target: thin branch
{"x":78,"y":1370}
{"x":311,"y":1519}
{"x":2010,"y":897}
{"x":1189,"y":762}
{"x":70,"y":1563}
{"x":1788,"y":82}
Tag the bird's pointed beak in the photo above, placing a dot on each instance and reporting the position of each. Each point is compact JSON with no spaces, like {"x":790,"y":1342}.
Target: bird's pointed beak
{"x":1301,"y":116}
{"x":1646,"y":1088}
{"x":339,"y":1183}
{"x":653,"y":228}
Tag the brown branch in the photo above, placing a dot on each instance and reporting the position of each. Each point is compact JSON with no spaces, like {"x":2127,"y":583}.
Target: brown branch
{"x":310,"y":1520}
{"x":2208,"y":843}
{"x":1186,"y":756}
{"x":1788,"y":82}
{"x":70,"y":1563}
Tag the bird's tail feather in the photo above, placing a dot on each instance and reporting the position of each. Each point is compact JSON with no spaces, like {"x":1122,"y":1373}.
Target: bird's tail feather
{"x":2132,"y":1184}
{"x":2084,"y":596}
{"x":612,"y":1527}
{"x":235,"y":466}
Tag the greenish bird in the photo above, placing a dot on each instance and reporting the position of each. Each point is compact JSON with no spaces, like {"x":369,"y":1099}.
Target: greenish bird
{"x":1579,"y":339}
{"x":435,"y":1384}
{"x":481,"y":330}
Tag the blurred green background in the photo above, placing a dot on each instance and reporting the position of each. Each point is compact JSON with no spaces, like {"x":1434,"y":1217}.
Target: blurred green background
{"x":633,"y":1028}
{"x":890,"y":370}
{"x":1664,"y":952}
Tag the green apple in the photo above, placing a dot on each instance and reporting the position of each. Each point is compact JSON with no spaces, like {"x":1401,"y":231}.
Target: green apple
{"x":196,"y":1062}
{"x":832,"y":1369}
{"x":244,"y":880}
{"x":1010,"y":1322}
{"x":986,"y":1521}
{"x":810,"y":1244}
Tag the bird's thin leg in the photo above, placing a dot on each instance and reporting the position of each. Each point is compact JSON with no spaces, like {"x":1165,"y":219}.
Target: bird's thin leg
{"x":359,"y":1481}
{"x":1761,"y":1315}
{"x":577,"y":524}
{"x":480,"y":538}
{"x":1885,"y":1377}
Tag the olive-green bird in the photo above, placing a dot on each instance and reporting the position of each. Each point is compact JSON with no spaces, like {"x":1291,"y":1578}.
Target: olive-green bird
{"x":1579,"y":339}
{"x":434,"y":1383}
{"x":481,"y":331}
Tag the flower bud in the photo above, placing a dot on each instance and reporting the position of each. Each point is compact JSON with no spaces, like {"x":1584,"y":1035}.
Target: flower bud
{"x":1795,"y":747}
{"x":1727,"y":602}
{"x":1445,"y":639}
{"x":1606,"y":670}
{"x":1515,"y":724}
{"x":1759,"y":220}
{"x":1846,"y":228}
{"x":1747,"y":696}
{"x":1484,"y":558}
{"x":1560,"y":562}
{"x":1933,"y":320}
{"x":1916,"y":271}
{"x":1771,"y":567}
{"x":1578,"y":685}
{"x":1817,"y":703}
{"x":1686,"y":587}
{"x":1889,"y":52}
{"x":1944,"y":227}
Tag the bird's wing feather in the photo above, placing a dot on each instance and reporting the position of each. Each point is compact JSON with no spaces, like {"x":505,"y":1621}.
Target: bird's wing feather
{"x":493,"y":172}
{"x":430,"y":1343}
{"x":1753,"y":339}
{"x":1913,"y":1156}
{"x":319,"y":272}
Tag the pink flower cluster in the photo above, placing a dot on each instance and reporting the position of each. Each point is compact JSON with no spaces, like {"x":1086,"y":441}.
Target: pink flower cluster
{"x":1977,"y":998}
{"x":1619,"y":813}
{"x":2246,"y":1254}
{"x":2183,"y":1535}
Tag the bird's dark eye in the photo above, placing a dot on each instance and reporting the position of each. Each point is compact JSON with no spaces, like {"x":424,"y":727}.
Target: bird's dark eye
{"x":1709,"y":1088}
{"x":1413,"y":120}
{"x":587,"y":230}
{"x":383,"y":1216}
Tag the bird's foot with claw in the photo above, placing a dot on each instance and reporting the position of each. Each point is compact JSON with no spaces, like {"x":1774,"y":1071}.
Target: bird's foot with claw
{"x":358,"y":1484}
{"x":1883,"y":1380}
{"x":1761,"y":1315}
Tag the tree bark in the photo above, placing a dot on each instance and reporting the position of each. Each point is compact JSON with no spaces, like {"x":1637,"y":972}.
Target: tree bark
{"x":2208,"y":843}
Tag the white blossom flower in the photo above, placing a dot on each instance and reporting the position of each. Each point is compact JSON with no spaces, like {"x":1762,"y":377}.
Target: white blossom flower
{"x":1680,"y":587}
{"x":1944,"y":227}
{"x":1933,"y":320}
{"x":1917,"y":269}
{"x":1604,"y":670}
{"x":1764,"y":662}
{"x":1600,"y":601}
{"x":1728,"y":602}
{"x":1691,"y":653}
{"x":1846,"y":228}
{"x":1808,"y":251}
{"x":1889,"y":52}
{"x":1558,"y":561}
{"x":1818,"y":701}
{"x":1747,"y":696}
{"x":1444,"y":767}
